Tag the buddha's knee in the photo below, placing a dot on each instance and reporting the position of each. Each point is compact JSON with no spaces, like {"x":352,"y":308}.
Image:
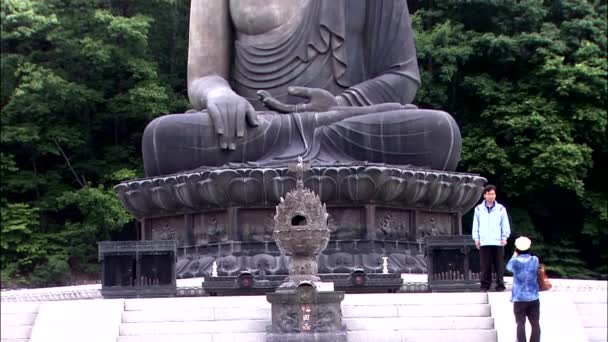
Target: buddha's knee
{"x":442,"y":125}
{"x":151,"y":146}
{"x":170,"y":142}
{"x":446,"y":140}
{"x":157,"y":133}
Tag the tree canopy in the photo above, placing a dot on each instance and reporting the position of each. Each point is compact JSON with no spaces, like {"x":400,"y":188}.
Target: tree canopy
{"x":525,"y":80}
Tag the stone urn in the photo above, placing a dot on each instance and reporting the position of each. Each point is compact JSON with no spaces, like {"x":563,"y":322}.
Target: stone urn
{"x":301,"y":232}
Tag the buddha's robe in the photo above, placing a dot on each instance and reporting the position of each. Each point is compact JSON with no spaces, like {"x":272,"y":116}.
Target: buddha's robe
{"x":361,"y":51}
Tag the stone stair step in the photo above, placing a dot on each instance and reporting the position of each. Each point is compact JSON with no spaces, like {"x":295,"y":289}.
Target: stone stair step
{"x":15,"y":332}
{"x":416,"y":298}
{"x":203,"y":314}
{"x":594,"y":321}
{"x":353,"y":336}
{"x":193,"y":327}
{"x":223,"y":337}
{"x":195,"y":314}
{"x":185,"y":303}
{"x":415,"y":310}
{"x":596,"y":334}
{"x":19,"y":307}
{"x":590,"y":309}
{"x":590,"y":297}
{"x":419,"y":323}
{"x":424,"y":336}
{"x":17,"y":319}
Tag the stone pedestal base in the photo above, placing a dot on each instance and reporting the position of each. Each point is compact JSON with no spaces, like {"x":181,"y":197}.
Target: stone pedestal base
{"x":304,"y":314}
{"x":313,"y":337}
{"x":225,"y":216}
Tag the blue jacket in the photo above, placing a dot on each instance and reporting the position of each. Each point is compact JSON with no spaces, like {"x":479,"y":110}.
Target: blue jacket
{"x":491,"y":227}
{"x":525,"y":282}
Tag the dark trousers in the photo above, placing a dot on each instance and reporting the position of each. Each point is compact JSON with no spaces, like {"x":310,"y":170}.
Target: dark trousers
{"x":532,"y":311}
{"x":492,"y":257}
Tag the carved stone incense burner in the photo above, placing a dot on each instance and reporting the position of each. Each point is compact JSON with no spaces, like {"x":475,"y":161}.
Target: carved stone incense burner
{"x":300,"y":310}
{"x":301,"y":231}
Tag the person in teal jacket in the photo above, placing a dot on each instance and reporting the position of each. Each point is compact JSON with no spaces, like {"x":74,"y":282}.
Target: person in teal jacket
{"x":490,"y":231}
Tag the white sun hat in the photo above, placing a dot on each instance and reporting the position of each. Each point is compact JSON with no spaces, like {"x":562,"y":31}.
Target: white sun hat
{"x":523,"y":243}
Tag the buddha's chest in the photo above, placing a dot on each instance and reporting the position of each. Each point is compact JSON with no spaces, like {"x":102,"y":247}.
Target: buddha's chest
{"x":253,"y":17}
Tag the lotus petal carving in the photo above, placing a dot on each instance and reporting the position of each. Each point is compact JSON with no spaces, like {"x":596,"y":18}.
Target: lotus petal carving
{"x":245,"y":190}
{"x":335,"y":185}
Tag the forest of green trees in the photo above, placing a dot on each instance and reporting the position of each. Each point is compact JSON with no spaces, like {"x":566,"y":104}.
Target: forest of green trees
{"x":526,"y":80}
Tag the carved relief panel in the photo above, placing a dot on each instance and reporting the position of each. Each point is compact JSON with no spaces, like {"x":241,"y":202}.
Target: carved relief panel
{"x":346,"y":223}
{"x":168,"y":228}
{"x":392,"y":224}
{"x":432,"y":224}
{"x":256,"y":224}
{"x":210,"y":227}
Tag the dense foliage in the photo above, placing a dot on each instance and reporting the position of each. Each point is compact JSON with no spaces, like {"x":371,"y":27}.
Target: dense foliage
{"x":80,"y":79}
{"x":526,"y":81}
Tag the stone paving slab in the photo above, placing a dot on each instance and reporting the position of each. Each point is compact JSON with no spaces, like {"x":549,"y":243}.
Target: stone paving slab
{"x":77,"y":321}
{"x":559,"y":317}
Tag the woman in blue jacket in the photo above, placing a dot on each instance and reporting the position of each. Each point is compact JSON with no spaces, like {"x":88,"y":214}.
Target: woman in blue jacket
{"x":524,"y":294}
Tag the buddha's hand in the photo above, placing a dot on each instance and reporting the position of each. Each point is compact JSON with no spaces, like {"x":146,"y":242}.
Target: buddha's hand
{"x":318,"y":100}
{"x":229,"y":112}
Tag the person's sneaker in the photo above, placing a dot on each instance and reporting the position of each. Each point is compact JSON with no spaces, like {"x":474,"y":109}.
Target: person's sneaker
{"x":500,"y":289}
{"x":483,"y":290}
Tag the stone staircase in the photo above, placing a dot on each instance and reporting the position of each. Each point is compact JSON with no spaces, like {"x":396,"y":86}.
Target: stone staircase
{"x":573,"y":311}
{"x":371,"y":317}
{"x":445,"y":317}
{"x":200,"y":319}
{"x":17,"y":320}
{"x":593,"y":308}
